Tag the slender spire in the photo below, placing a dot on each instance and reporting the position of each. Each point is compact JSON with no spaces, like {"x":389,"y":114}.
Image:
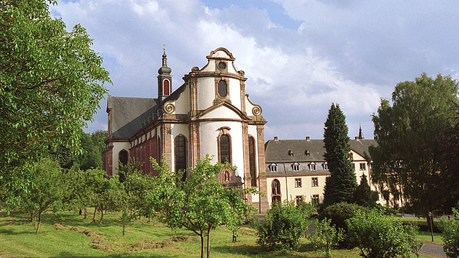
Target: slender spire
{"x":360,"y":132}
{"x":164,"y":56}
{"x":164,"y":69}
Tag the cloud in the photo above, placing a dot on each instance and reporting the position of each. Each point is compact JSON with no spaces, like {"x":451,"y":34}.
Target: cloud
{"x":299,"y":55}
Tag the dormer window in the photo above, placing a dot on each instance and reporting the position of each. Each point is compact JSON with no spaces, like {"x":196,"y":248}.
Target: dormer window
{"x":290,"y":152}
{"x":296,"y":166}
{"x":273,"y":167}
{"x":325,"y":166}
{"x":312,"y":166}
{"x":307,"y":153}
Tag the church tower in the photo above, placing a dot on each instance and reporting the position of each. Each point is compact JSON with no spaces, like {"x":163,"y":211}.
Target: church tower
{"x":164,"y":79}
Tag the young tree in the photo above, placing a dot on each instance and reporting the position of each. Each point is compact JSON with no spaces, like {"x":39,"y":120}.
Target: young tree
{"x":51,"y":84}
{"x":408,"y":160}
{"x":47,"y":189}
{"x":340,"y":186}
{"x":284,"y":224}
{"x":199,"y":203}
{"x":326,"y":236}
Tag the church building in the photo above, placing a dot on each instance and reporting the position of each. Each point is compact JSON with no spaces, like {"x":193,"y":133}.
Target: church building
{"x":209,"y":114}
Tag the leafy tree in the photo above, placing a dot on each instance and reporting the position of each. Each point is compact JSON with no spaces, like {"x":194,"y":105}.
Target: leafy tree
{"x":450,"y":230}
{"x":199,"y":203}
{"x":380,"y":236}
{"x":340,"y":186}
{"x":51,"y":82}
{"x":285,"y":224}
{"x":414,"y":137}
{"x":92,"y":146}
{"x":105,"y":194}
{"x":47,"y":190}
{"x":326,"y":236}
{"x":363,"y":195}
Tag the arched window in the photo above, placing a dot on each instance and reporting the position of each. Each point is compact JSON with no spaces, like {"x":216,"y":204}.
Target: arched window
{"x":225,"y":148}
{"x":253,"y":172}
{"x":166,"y":87}
{"x":275,"y":185}
{"x":222,"y":88}
{"x":123,"y":157}
{"x":275,"y":191}
{"x":180,"y":154}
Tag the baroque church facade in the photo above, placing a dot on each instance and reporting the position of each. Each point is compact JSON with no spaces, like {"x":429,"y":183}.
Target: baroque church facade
{"x":209,"y":114}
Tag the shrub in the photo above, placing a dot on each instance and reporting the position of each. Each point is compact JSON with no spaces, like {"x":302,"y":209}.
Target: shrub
{"x":380,"y":236}
{"x":284,"y":224}
{"x":326,"y":236}
{"x":450,"y":229}
{"x":338,"y":213}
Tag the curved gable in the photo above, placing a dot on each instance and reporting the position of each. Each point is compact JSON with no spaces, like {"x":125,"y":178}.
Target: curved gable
{"x":223,"y":110}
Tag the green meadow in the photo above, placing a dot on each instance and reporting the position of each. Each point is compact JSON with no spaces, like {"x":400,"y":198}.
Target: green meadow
{"x":67,"y":234}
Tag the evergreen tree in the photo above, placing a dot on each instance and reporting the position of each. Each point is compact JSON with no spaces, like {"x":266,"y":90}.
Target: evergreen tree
{"x":363,"y":195}
{"x":340,"y":186}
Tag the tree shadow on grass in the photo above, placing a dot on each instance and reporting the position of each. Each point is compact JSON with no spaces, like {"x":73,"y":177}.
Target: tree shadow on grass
{"x":131,"y":255}
{"x":258,"y":251}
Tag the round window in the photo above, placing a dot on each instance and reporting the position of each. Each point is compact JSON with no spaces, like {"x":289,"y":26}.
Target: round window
{"x":222,"y":65}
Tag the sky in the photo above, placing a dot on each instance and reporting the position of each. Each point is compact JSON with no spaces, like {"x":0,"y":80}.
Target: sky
{"x":299,"y":56}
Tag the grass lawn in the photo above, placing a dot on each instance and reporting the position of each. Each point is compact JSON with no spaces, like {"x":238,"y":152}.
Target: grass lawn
{"x":72,"y":236}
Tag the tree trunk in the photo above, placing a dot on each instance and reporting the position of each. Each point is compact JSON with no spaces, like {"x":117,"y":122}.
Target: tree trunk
{"x":94,"y":217}
{"x":101,"y":216}
{"x":80,"y":212}
{"x":124,"y":226}
{"x":85,"y":213}
{"x":202,"y":244}
{"x":39,"y":222}
{"x":208,"y":241}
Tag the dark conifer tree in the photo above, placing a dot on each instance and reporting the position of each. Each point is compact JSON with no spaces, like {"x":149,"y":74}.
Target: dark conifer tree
{"x":363,"y":195}
{"x":341,"y":185}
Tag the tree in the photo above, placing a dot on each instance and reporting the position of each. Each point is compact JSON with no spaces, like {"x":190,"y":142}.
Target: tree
{"x":199,"y":203}
{"x":340,"y":186}
{"x":51,"y":82}
{"x":285,"y":224}
{"x":450,"y":230}
{"x":92,"y":146}
{"x":326,"y":236}
{"x":380,"y":236}
{"x":410,"y":161}
{"x":47,"y":190}
{"x":363,"y":195}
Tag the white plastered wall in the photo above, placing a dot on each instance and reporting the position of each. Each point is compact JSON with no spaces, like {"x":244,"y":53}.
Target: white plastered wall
{"x":209,"y":133}
{"x":117,"y":147}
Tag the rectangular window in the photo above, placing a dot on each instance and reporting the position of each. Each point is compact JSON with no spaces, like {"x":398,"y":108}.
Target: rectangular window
{"x":298,"y":199}
{"x":315,"y":181}
{"x":297,"y":182}
{"x":315,"y":199}
{"x":362,"y":166}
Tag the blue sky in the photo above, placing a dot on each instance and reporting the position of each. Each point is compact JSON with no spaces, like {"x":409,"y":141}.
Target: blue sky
{"x":299,"y":56}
